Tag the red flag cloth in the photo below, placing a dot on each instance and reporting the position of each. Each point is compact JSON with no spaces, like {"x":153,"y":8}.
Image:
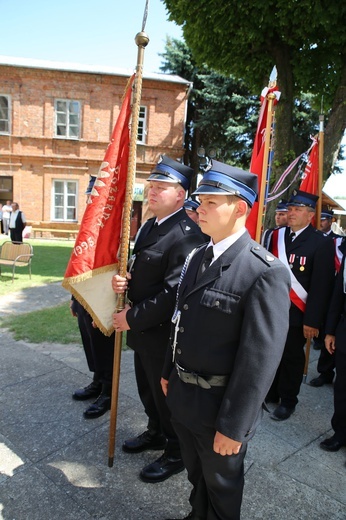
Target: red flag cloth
{"x":309,"y":182}
{"x":95,"y":254}
{"x":257,"y":158}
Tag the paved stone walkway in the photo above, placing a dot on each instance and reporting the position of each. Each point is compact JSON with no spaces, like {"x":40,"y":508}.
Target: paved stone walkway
{"x":53,"y":462}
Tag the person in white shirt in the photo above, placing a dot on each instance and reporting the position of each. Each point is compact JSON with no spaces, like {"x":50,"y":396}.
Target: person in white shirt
{"x":6,"y":214}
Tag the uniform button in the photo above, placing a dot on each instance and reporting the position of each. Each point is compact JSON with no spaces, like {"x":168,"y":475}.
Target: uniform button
{"x":178,"y":351}
{"x":181,"y":329}
{"x":185,"y":307}
{"x":217,"y":303}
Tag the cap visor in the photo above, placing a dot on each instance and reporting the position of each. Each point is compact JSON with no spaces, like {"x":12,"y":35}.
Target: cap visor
{"x":162,"y":178}
{"x":213,"y":190}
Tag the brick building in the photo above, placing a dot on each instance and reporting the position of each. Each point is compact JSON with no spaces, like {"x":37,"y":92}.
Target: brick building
{"x":55,"y":124}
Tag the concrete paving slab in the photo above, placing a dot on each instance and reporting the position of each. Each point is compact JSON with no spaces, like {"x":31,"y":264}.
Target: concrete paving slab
{"x":53,"y":462}
{"x":311,"y":471}
{"x":275,"y":495}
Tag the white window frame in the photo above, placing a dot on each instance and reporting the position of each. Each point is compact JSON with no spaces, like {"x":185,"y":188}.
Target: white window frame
{"x":65,"y":205}
{"x":142,"y":125}
{"x":6,"y":132}
{"x":69,"y":126}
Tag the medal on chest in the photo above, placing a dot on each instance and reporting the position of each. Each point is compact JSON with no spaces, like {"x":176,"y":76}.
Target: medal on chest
{"x":301,"y":259}
{"x":302,"y":263}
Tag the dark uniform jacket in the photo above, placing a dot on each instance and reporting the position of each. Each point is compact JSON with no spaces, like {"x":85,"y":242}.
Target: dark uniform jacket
{"x":311,"y":257}
{"x":233,"y":322}
{"x":160,"y":254}
{"x":337,"y":308}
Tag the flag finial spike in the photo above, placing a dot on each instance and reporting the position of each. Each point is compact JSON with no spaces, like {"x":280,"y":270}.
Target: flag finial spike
{"x":273,"y":77}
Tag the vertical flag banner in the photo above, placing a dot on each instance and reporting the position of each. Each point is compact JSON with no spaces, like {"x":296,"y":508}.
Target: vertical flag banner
{"x":260,"y":152}
{"x":94,"y":257}
{"x":309,"y":181}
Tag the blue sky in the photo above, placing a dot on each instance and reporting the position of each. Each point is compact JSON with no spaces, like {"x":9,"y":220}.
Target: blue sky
{"x":93,"y":32}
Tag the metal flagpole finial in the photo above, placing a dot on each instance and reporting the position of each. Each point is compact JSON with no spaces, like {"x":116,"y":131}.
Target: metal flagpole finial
{"x":145,"y":15}
{"x":273,"y":77}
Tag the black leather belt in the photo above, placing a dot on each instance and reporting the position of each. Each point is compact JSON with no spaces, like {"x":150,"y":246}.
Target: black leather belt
{"x":203,"y":380}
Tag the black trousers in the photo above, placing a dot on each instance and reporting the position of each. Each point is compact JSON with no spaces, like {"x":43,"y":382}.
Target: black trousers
{"x":326,"y":363}
{"x":148,"y":371}
{"x":16,"y":235}
{"x":98,"y":348}
{"x":217,"y":480}
{"x":289,"y":375}
{"x":339,"y":416}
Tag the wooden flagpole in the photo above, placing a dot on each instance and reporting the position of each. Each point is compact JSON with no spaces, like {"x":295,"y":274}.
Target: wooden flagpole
{"x":142,"y":41}
{"x":320,"y":170}
{"x":264,"y":180}
{"x":317,"y":219}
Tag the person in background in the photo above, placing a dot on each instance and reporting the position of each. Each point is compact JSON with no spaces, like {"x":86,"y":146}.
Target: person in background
{"x":280,"y":220}
{"x":229,"y":330}
{"x":326,"y":222}
{"x":99,"y":353}
{"x":158,"y":257}
{"x":190,"y":206}
{"x":309,"y":258}
{"x":17,"y":223}
{"x":6,"y":214}
{"x":335,"y":342}
{"x":1,"y":223}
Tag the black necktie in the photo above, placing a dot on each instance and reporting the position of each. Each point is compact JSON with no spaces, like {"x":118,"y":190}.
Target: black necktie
{"x":291,"y":237}
{"x":206,"y":260}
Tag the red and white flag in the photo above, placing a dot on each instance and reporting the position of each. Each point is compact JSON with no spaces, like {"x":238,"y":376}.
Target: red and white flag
{"x":257,"y":158}
{"x":94,"y":257}
{"x":309,"y":182}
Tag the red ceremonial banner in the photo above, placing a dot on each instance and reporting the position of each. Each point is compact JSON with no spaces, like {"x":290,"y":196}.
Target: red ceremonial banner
{"x":257,"y":158}
{"x":94,"y":257}
{"x":309,"y":181}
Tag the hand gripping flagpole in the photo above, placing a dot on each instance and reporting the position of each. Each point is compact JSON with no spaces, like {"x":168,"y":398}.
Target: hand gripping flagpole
{"x":142,"y":41}
{"x":268,"y":136}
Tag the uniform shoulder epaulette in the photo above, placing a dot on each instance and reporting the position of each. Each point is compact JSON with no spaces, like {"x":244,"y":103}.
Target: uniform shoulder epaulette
{"x":188,"y":226}
{"x":263,"y":255}
{"x":319,"y":232}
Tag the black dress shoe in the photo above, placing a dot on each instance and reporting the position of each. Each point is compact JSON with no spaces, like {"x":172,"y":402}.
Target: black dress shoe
{"x":331,"y":444}
{"x":321,"y":380}
{"x":281,"y":413}
{"x":99,"y":407}
{"x":147,"y":440}
{"x":88,"y":392}
{"x":191,"y":516}
{"x":161,"y":469}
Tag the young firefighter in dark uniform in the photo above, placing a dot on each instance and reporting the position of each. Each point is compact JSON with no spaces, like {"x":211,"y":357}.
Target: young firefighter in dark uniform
{"x":335,"y":342}
{"x":229,"y":329}
{"x":309,"y":258}
{"x":159,"y":254}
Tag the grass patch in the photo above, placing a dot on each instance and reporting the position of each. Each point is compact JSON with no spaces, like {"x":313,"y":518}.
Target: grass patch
{"x":48,"y":265}
{"x":53,"y":325}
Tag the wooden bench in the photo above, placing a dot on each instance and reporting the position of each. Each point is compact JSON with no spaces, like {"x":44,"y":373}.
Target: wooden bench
{"x":16,"y":254}
{"x":72,"y":233}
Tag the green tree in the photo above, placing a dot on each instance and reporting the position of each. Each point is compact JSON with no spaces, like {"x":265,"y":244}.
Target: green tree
{"x":306,"y":40}
{"x":221,"y":112}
